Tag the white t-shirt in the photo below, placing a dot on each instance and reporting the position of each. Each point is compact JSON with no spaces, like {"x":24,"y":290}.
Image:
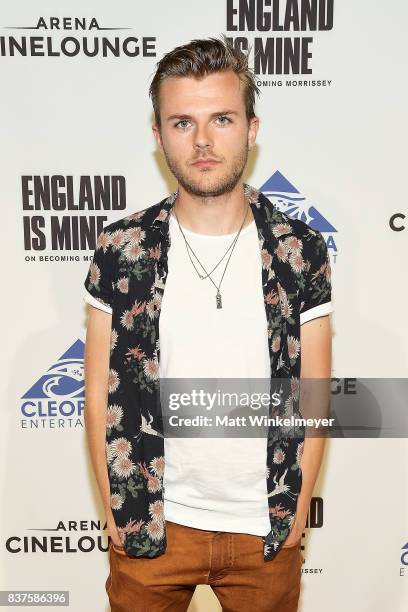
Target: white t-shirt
{"x":215,"y":483}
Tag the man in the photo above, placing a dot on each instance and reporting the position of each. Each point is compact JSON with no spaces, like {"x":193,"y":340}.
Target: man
{"x":211,"y":282}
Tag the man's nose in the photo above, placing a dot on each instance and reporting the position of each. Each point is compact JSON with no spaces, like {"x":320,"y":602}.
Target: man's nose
{"x":202,"y":137}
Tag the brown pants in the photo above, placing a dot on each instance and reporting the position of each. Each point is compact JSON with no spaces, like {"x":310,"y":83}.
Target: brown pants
{"x":231,"y":563}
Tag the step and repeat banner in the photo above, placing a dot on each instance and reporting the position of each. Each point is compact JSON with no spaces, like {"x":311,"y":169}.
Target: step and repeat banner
{"x":78,"y":153}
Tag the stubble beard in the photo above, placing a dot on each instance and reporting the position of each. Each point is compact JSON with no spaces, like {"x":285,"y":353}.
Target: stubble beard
{"x":215,"y":187}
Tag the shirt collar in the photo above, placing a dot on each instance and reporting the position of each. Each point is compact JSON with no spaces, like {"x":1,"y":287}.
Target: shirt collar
{"x":256,"y":199}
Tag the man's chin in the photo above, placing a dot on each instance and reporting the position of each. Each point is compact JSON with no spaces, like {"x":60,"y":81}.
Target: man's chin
{"x":208,"y":188}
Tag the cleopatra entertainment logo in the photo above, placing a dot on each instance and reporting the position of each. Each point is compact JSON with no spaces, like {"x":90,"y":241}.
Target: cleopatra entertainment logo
{"x":67,"y":536}
{"x":279,"y":36}
{"x":57,"y":399}
{"x":290,"y":201}
{"x":72,"y":37}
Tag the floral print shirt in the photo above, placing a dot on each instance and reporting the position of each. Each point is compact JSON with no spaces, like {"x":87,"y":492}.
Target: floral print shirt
{"x":127,"y":278}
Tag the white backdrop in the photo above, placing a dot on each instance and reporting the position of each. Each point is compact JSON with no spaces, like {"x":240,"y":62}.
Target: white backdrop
{"x":340,"y":145}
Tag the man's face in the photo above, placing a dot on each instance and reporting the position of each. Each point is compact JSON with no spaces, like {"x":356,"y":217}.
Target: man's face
{"x":205,"y":120}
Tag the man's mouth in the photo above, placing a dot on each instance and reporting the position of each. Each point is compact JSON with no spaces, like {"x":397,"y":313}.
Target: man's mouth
{"x":203,"y":163}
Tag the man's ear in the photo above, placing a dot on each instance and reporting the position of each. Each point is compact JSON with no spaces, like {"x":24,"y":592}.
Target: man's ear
{"x":252,"y":131}
{"x":157,"y":136}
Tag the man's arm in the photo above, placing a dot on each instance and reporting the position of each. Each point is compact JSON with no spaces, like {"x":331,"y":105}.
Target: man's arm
{"x":316,"y":349}
{"x":97,"y":352}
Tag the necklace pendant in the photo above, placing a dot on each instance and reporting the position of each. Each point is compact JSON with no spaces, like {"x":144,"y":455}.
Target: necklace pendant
{"x":218,"y":299}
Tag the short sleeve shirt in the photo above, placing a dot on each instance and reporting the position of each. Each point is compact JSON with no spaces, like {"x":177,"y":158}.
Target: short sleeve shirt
{"x":127,"y":279}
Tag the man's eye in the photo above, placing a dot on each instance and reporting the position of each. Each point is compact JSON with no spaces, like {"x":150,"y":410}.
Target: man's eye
{"x":181,"y":121}
{"x":224,"y":117}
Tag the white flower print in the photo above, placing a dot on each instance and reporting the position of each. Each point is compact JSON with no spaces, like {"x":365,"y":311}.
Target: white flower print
{"x":113,"y":381}
{"x":123,"y":467}
{"x":121,"y":447}
{"x":155,"y":530}
{"x":157,"y":466}
{"x":114,"y":416}
{"x":116,"y":501}
{"x":156,"y":511}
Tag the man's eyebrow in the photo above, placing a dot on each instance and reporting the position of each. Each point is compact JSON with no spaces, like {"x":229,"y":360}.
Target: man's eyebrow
{"x":216,"y":114}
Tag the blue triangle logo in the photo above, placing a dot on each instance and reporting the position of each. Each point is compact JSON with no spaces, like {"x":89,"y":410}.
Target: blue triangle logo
{"x":64,"y":379}
{"x":289,"y":200}
{"x":277,"y":182}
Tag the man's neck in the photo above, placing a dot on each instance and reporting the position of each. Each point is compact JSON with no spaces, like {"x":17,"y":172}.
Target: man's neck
{"x":213,"y":215}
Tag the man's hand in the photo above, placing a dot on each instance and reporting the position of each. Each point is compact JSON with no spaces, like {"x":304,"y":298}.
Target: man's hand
{"x":296,"y":531}
{"x":113,"y":532}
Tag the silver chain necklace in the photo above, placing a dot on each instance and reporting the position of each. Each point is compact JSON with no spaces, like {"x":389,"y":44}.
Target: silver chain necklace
{"x":208,"y":274}
{"x":188,"y":247}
